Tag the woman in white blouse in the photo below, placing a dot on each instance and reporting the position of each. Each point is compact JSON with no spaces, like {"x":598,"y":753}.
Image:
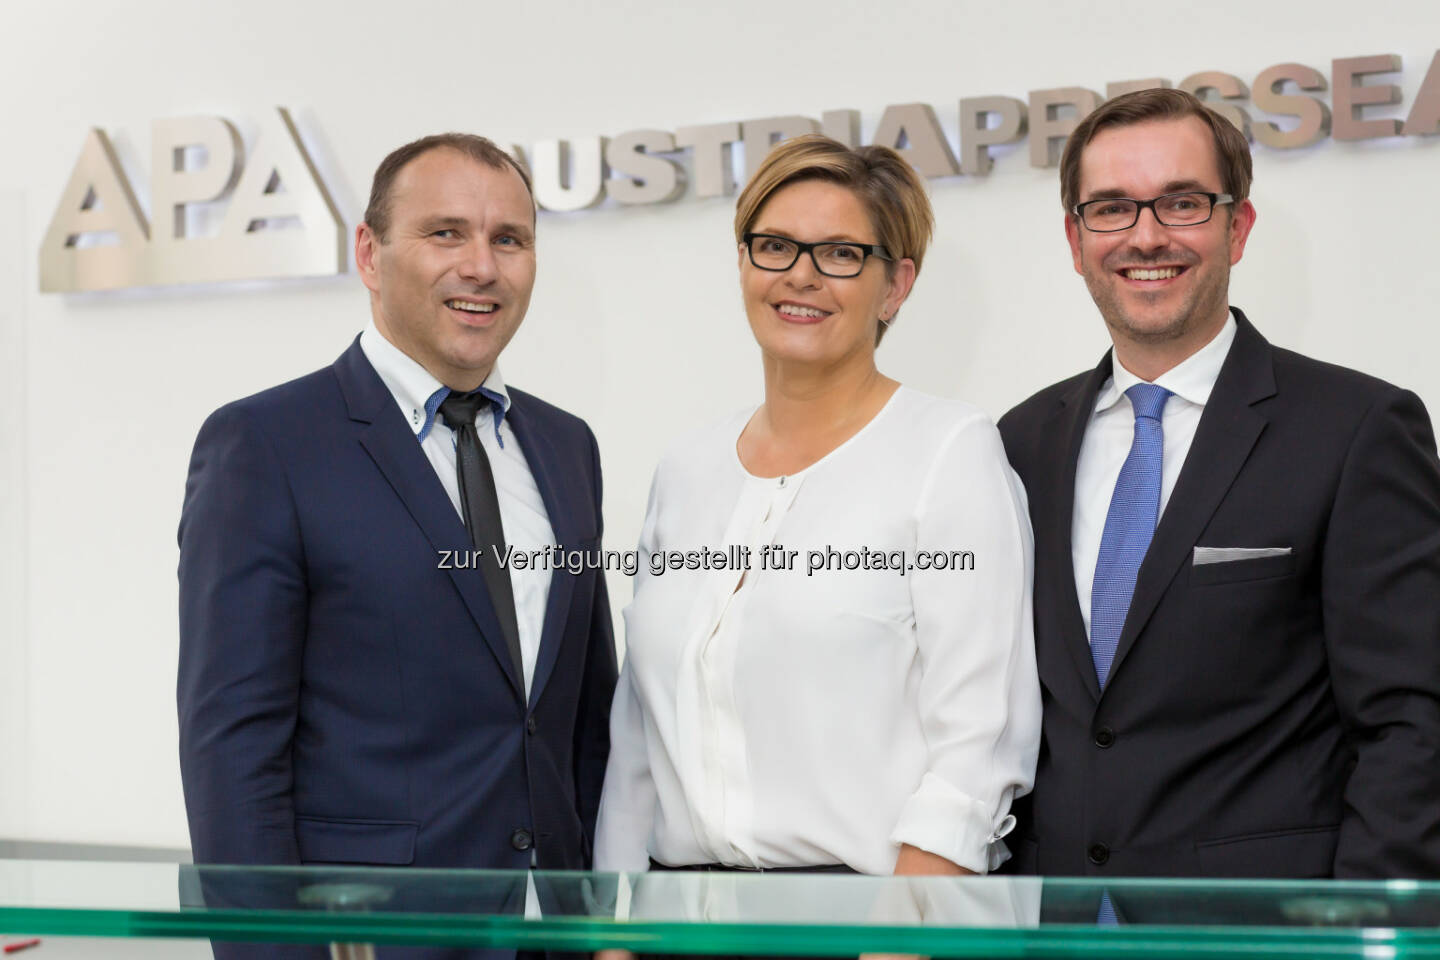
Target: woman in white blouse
{"x":848,"y":680}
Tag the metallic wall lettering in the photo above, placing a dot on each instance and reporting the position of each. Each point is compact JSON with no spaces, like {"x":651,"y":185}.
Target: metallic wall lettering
{"x":1115,"y":89}
{"x":1314,"y":115}
{"x":842,"y":125}
{"x":1425,"y":115}
{"x":280,"y":220}
{"x":914,"y":131}
{"x":710,"y":146}
{"x":217,"y":214}
{"x":976,"y":137}
{"x":174,"y":186}
{"x":1350,"y":95}
{"x":568,"y":174}
{"x":760,"y":135}
{"x":1229,"y":88}
{"x":1048,"y":129}
{"x":644,"y":177}
{"x":98,"y":203}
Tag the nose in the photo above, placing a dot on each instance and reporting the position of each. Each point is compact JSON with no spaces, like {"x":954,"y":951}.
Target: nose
{"x":803,"y":273}
{"x":477,"y":262}
{"x":1148,"y":232}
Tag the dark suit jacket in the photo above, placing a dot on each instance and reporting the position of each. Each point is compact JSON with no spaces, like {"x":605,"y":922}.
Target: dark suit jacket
{"x":1277,"y":716}
{"x":344,"y":700}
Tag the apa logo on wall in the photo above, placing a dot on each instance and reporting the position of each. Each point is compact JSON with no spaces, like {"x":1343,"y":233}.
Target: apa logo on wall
{"x":278,"y":218}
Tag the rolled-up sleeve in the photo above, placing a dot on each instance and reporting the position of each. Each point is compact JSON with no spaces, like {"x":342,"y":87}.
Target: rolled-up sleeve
{"x":979,"y":695}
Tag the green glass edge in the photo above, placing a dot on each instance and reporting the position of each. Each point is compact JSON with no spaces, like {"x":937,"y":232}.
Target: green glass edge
{"x":571,"y":933}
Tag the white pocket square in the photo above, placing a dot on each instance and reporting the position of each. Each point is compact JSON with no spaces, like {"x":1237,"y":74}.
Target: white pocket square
{"x":1204,"y":555}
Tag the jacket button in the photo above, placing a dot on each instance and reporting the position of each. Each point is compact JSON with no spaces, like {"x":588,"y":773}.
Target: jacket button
{"x":1104,"y":737}
{"x":531,"y":726}
{"x":520,"y":839}
{"x":1098,"y":854}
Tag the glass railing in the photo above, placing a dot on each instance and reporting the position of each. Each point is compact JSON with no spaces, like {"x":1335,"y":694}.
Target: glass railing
{"x":761,"y":914}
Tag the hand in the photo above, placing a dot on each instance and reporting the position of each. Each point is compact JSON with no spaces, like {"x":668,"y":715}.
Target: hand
{"x":915,"y":862}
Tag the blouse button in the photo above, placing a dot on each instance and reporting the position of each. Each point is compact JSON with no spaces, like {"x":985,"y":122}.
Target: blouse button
{"x":782,"y":480}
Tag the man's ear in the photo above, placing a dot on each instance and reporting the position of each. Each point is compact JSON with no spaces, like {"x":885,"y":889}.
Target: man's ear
{"x":367,"y":253}
{"x":1242,"y":221}
{"x":1072,"y":236}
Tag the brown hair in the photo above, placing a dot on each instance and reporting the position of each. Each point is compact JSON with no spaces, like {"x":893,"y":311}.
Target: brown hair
{"x":477,"y":148}
{"x":1232,"y":150}
{"x":892,"y":192}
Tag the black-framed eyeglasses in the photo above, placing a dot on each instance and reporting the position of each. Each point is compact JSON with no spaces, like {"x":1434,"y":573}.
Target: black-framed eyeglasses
{"x":1171,"y":210}
{"x":833,"y":258}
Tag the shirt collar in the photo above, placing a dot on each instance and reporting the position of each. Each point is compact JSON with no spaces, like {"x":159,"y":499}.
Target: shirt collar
{"x":417,"y":391}
{"x":1192,"y":379}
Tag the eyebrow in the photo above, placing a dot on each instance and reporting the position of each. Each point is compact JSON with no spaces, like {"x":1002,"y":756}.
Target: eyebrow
{"x":833,"y":238}
{"x":521,"y":230}
{"x":443,"y":223}
{"x":1173,"y":186}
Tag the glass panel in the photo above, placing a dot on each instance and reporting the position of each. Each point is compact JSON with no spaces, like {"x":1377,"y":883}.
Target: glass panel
{"x":682,"y":912}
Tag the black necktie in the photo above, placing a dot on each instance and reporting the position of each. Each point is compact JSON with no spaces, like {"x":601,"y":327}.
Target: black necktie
{"x":481,"y":507}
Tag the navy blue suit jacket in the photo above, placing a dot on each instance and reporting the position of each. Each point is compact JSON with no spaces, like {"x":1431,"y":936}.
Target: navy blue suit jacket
{"x":343,"y":699}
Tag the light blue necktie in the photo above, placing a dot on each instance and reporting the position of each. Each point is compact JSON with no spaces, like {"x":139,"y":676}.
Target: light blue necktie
{"x":1129,"y":526}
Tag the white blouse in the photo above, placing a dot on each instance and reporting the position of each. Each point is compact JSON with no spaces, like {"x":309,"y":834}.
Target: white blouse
{"x":830,"y":709}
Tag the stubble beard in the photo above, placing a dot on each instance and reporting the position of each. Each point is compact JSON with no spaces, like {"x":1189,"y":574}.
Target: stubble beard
{"x":1191,"y":315}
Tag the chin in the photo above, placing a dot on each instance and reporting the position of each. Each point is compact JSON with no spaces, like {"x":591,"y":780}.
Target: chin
{"x":1156,"y":330}
{"x":796,"y":349}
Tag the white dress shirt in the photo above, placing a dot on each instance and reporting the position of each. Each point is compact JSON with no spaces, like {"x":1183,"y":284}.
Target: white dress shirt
{"x":522,"y":512}
{"x":788,"y":719}
{"x":1110,"y":435}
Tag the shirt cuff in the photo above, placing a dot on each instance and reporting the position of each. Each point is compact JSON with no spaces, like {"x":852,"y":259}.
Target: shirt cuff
{"x":622,"y":843}
{"x":942,"y":820}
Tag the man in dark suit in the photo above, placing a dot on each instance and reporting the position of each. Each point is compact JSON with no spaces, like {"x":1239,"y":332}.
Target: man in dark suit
{"x":1237,"y":572}
{"x":361,"y":680}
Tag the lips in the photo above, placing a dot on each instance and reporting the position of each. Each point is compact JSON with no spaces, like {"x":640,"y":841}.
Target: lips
{"x":794,"y":312}
{"x":1152,"y":275}
{"x":475,"y":313}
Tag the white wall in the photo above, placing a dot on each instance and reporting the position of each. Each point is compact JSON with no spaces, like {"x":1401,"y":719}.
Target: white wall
{"x":636,"y":322}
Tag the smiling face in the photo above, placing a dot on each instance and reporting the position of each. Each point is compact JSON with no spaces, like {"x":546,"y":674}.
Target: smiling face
{"x":1159,"y":288}
{"x":451,"y":282}
{"x":802,"y":315}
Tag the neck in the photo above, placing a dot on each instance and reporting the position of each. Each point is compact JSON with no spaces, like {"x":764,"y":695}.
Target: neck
{"x":460,"y":381}
{"x":1150,"y":360}
{"x":802,"y":400}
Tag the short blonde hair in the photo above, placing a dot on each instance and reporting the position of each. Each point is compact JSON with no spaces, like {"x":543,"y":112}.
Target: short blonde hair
{"x":892,"y":192}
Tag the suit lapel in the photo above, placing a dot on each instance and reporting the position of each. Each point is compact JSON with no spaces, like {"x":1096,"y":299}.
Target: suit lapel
{"x":1073,"y":418}
{"x":1226,"y":434}
{"x":556,"y":486}
{"x":392,"y":446}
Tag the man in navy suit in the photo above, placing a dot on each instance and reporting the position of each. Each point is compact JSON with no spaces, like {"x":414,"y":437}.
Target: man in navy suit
{"x":352,"y":690}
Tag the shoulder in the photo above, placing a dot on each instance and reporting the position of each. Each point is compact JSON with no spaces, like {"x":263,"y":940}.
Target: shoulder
{"x":1027,"y":429}
{"x":707,"y":446}
{"x":1322,"y":406}
{"x":704,"y":453}
{"x":931,"y":415}
{"x":924,"y":428}
{"x":947,"y":434}
{"x":283,"y":409}
{"x":559,"y":424}
{"x":1330,"y":384}
{"x":1028,"y":413}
